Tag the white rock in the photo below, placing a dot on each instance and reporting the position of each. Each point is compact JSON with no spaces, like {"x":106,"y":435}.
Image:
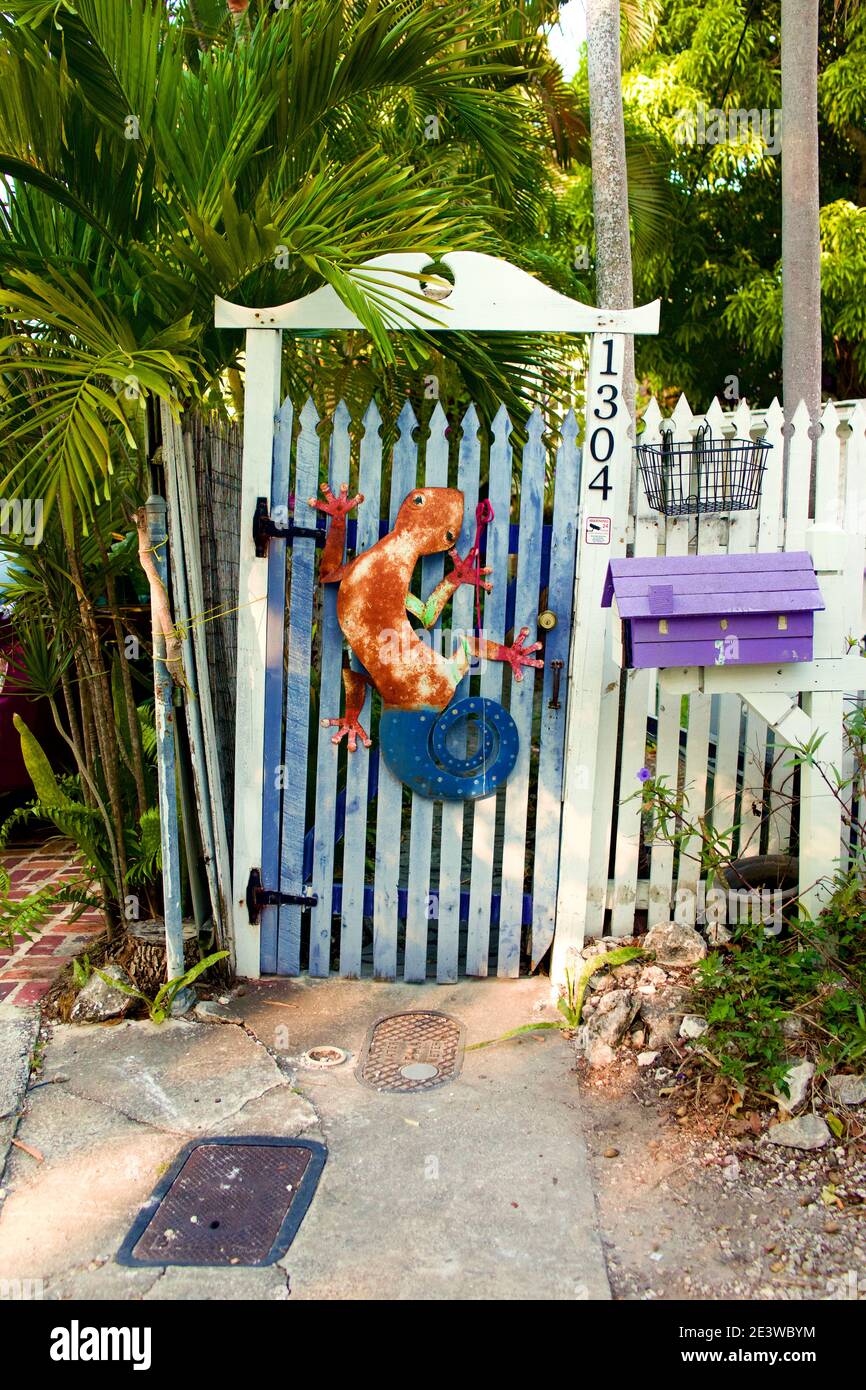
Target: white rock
{"x":600,"y":1054}
{"x":646,"y":1059}
{"x":674,"y":943}
{"x":799,"y":1078}
{"x":601,"y":982}
{"x":612,"y":1018}
{"x":806,"y":1132}
{"x":848,"y":1090}
{"x":99,"y":999}
{"x":650,"y":979}
{"x":693,"y":1026}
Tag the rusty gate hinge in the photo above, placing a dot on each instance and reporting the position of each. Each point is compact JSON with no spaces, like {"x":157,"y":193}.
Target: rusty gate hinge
{"x":258,"y":897}
{"x":264,"y":527}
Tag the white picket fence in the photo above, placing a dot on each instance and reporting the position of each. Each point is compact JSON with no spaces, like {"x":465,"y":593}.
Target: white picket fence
{"x":800,"y":501}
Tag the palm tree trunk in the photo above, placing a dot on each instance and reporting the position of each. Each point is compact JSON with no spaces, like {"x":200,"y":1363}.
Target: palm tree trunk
{"x":609,"y":174}
{"x":801,"y":245}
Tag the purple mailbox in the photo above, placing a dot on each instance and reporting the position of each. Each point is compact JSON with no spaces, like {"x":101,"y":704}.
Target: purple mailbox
{"x":715,"y":610}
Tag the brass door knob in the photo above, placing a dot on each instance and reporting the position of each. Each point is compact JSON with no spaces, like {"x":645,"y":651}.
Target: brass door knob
{"x":547,"y":619}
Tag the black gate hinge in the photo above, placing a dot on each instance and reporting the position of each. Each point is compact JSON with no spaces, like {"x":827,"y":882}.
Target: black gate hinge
{"x":258,"y":897}
{"x":264,"y":527}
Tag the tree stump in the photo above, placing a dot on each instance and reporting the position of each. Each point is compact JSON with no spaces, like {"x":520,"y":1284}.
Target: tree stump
{"x":142,"y":953}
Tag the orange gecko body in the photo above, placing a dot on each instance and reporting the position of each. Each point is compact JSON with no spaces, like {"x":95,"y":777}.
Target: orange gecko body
{"x":372,"y":607}
{"x":371,"y":604}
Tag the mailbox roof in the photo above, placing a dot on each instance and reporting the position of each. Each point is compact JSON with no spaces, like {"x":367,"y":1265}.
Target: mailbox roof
{"x":693,"y":585}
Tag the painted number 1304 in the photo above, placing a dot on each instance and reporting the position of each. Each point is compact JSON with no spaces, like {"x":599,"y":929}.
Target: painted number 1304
{"x":601,"y":438}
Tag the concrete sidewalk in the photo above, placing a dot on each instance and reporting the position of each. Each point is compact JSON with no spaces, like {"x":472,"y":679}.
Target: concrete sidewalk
{"x":479,"y":1189}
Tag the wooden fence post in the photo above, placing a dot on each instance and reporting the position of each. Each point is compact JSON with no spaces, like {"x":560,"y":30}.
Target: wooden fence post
{"x":261,"y":404}
{"x":605,"y":484}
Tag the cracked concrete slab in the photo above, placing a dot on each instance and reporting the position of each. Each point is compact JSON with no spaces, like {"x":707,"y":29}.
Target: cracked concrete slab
{"x":187,"y":1078}
{"x":478,"y":1189}
{"x":19,"y":1029}
{"x":112,"y":1109}
{"x":267,"y":1283}
{"x":76,"y":1204}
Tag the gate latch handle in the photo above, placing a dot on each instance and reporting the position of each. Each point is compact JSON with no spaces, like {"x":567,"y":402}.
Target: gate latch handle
{"x":556,"y":668}
{"x":264,"y":528}
{"x":258,"y":897}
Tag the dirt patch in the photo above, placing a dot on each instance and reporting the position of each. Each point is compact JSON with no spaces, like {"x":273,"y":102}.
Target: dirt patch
{"x":691,"y":1210}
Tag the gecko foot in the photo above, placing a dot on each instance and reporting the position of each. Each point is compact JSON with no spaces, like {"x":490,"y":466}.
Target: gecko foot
{"x":465,"y":572}
{"x":336,"y":506}
{"x":348,"y":724}
{"x":518,"y":656}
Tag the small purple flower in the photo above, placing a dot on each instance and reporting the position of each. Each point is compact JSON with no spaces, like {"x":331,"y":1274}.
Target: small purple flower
{"x":644,"y":775}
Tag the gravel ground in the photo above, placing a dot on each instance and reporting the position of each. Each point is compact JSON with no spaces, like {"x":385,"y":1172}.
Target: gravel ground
{"x":696,"y":1204}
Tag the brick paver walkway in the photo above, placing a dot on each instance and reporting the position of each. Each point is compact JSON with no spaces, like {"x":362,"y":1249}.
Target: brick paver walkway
{"x":28,"y":971}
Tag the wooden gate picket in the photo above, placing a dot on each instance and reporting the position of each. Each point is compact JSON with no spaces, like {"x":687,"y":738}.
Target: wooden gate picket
{"x":454,"y":812}
{"x":272,"y":780}
{"x":522,"y":693}
{"x":554,"y":693}
{"x":358,"y":766}
{"x":419,"y":902}
{"x":484,"y":812}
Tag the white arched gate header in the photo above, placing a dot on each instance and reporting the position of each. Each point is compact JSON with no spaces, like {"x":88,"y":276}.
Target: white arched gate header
{"x":488,"y":295}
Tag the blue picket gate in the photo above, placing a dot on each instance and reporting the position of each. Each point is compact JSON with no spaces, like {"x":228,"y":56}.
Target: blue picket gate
{"x":407,"y":887}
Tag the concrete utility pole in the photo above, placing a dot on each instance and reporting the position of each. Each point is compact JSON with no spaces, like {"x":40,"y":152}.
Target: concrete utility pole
{"x":615,"y":288}
{"x":801,"y":243}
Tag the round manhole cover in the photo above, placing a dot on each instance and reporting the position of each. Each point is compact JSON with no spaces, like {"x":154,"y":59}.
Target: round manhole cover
{"x":414,"y":1051}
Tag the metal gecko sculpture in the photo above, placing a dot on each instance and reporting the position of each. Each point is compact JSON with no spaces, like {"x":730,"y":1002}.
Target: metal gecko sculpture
{"x":416,"y":684}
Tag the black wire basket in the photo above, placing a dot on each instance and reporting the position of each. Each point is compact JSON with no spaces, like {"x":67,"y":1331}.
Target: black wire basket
{"x":707,"y":475}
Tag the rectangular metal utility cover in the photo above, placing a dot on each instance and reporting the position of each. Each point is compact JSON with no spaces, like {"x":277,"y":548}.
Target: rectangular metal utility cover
{"x":227,"y":1201}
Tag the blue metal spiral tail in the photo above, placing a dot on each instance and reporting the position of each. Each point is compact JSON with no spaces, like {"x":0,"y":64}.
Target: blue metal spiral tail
{"x":428,"y":750}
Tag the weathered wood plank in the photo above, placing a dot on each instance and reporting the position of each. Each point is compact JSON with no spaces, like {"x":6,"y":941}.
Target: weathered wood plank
{"x":711,"y":538}
{"x":262,"y":382}
{"x":522,"y":695}
{"x":563,"y":553}
{"x":634,"y":730}
{"x":691,"y":566}
{"x":594,"y":677}
{"x":741,"y":625}
{"x":676,"y":542}
{"x":730,"y":586}
{"x":389,"y":811}
{"x":421,"y":831}
{"x":358,"y":763}
{"x":331,"y":702}
{"x":219,"y":873}
{"x":484,"y":818}
{"x":451,"y":834}
{"x":294,"y":767}
{"x":771,"y":528}
{"x":272,"y":786}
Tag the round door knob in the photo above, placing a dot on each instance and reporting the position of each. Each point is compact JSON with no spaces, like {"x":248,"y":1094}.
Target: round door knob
{"x":547,"y":619}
